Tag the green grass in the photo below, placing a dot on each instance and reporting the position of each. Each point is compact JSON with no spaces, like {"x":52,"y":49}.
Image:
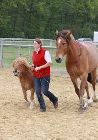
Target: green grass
{"x":10,"y":53}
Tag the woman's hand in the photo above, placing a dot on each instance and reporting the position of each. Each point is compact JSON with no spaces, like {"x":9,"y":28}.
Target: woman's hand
{"x":42,"y":67}
{"x":37,"y":68}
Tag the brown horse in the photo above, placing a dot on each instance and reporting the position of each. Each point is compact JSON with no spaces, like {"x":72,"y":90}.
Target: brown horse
{"x":81,"y":62}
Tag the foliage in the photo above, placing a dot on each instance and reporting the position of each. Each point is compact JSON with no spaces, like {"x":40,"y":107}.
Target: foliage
{"x":40,"y":18}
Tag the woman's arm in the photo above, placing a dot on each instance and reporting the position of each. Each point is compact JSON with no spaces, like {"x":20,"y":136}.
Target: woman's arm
{"x":43,"y":66}
{"x":47,"y":57}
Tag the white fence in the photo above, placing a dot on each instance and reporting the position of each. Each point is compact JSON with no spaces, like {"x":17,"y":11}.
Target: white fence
{"x":11,"y":48}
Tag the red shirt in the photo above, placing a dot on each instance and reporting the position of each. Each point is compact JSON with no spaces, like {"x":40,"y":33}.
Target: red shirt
{"x":39,"y":60}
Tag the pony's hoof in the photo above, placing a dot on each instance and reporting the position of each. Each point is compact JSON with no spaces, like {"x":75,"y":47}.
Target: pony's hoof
{"x":36,"y":101}
{"x":31,"y":105}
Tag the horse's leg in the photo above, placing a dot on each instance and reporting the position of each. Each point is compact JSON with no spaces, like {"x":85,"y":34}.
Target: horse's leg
{"x":89,"y":78}
{"x":87,"y":91}
{"x":88,"y":95}
{"x":83,"y":104}
{"x":32,"y":99}
{"x":94,"y":76}
{"x":74,"y":81}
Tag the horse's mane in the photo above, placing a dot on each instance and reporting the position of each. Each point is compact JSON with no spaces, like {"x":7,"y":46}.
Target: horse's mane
{"x":64,"y":33}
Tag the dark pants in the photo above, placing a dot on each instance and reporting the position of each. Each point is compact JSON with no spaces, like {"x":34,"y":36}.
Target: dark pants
{"x":42,"y":86}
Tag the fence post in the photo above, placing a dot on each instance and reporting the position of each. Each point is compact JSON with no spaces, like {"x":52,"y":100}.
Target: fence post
{"x":18,"y":51}
{"x":1,"y":53}
{"x":51,"y":43}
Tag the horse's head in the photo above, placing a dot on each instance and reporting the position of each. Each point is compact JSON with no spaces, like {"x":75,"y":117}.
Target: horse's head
{"x":62,"y":43}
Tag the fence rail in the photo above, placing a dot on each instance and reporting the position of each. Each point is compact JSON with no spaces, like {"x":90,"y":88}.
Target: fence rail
{"x":11,"y":48}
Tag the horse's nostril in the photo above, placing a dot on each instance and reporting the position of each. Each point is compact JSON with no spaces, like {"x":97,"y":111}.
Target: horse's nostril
{"x":58,"y":60}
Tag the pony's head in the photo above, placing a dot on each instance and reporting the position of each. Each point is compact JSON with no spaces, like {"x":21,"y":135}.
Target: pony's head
{"x":62,"y":42}
{"x":20,"y":66}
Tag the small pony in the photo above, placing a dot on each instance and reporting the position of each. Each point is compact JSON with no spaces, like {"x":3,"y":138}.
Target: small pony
{"x":23,"y":71}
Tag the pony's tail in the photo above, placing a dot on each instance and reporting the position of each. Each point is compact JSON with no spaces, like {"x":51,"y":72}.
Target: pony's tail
{"x":89,"y":78}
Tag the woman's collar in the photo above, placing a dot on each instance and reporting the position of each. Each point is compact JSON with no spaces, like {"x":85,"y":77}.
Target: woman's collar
{"x":37,"y":51}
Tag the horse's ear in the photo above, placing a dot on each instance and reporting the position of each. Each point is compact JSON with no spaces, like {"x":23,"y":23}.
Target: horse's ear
{"x":57,"y":32}
{"x":69,"y":33}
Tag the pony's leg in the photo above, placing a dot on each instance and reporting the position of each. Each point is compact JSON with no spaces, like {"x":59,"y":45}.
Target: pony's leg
{"x":25,"y":95}
{"x":94,"y":76}
{"x":32,"y":99}
{"x":89,"y":99}
{"x":83,"y":104}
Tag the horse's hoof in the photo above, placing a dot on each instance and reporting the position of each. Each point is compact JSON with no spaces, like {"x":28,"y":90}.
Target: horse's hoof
{"x":95,"y":99}
{"x":90,"y":104}
{"x":90,"y":101}
{"x":82,"y":109}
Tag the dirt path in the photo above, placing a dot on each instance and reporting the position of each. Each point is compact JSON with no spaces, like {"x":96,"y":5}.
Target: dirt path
{"x":18,"y":122}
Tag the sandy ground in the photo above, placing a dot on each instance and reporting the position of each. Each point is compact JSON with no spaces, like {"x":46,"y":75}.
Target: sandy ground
{"x":18,"y":122}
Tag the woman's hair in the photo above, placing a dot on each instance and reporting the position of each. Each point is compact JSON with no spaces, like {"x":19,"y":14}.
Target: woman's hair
{"x":38,"y":41}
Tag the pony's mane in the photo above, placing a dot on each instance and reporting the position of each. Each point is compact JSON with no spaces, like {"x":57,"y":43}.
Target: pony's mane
{"x":22,"y":60}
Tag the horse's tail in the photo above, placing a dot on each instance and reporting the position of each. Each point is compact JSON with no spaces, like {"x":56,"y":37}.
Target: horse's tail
{"x":89,"y":78}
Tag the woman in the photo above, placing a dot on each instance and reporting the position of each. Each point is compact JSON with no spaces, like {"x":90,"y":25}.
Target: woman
{"x":41,"y":60}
